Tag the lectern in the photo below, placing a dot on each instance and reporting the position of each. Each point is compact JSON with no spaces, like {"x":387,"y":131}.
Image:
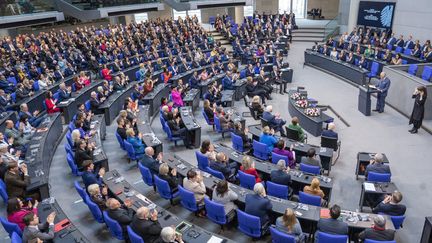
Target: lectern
{"x":364,"y":100}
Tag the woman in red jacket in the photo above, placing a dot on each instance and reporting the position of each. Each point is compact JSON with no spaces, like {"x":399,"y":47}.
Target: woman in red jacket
{"x":50,"y":103}
{"x":106,"y":73}
{"x":166,"y":75}
{"x":249,"y":168}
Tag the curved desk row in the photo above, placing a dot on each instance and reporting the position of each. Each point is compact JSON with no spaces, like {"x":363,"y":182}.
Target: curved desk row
{"x":191,"y":125}
{"x":326,"y":154}
{"x":299,"y":179}
{"x":308,"y":215}
{"x":98,"y":125}
{"x":124,"y":190}
{"x":153,"y":99}
{"x":144,"y":126}
{"x":192,"y":99}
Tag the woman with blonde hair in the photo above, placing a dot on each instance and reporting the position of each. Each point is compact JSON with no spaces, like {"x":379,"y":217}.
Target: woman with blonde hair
{"x":248,"y":167}
{"x":289,"y":223}
{"x":257,"y":106}
{"x":136,"y":141}
{"x":98,"y":195}
{"x":83,"y":78}
{"x":76,"y":136}
{"x":314,"y":189}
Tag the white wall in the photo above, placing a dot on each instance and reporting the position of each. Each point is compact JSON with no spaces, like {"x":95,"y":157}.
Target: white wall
{"x":413,"y":17}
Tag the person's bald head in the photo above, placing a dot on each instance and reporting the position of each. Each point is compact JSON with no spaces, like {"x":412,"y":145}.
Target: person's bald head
{"x":93,"y":94}
{"x":380,"y":221}
{"x":24,"y":107}
{"x":220,"y":157}
{"x":9,"y":124}
{"x":149,"y":151}
{"x":331,"y":126}
{"x":379,"y":157}
{"x":113,"y":204}
{"x":143,"y":213}
{"x":382,"y":75}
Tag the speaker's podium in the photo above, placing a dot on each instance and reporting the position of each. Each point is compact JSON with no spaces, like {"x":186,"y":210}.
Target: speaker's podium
{"x":364,"y":99}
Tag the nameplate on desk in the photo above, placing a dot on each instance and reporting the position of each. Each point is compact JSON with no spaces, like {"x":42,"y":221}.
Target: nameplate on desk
{"x":214,"y":239}
{"x":181,"y":166}
{"x":369,"y":186}
{"x":64,"y":102}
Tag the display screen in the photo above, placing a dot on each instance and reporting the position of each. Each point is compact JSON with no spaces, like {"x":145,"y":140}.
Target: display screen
{"x":376,"y":14}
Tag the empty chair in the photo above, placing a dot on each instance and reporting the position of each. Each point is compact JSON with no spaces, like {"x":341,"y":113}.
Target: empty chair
{"x":212,"y":20}
{"x":202,"y":160}
{"x":310,"y":169}
{"x":378,"y":177}
{"x":94,"y":209}
{"x":10,"y":227}
{"x":331,"y":238}
{"x":171,"y":137}
{"x":134,"y":237}
{"x":146,"y":175}
{"x":15,"y":238}
{"x":187,"y":200}
{"x":113,"y":226}
{"x":309,"y":199}
{"x":333,"y":143}
{"x":280,"y":237}
{"x":277,"y":190}
{"x":246,"y":180}
{"x":120,"y":140}
{"x":427,"y":73}
{"x":260,"y":150}
{"x":82,"y":192}
{"x":164,"y":189}
{"x":237,"y":143}
{"x":68,"y":148}
{"x":69,"y":139}
{"x":215,"y":173}
{"x":413,"y":69}
{"x":215,"y":212}
{"x":399,"y":49}
{"x":249,"y":224}
{"x":3,"y":192}
{"x":374,"y":70}
{"x":276,"y":157}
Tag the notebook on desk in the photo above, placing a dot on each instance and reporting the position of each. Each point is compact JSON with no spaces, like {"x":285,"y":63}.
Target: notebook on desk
{"x":325,"y":213}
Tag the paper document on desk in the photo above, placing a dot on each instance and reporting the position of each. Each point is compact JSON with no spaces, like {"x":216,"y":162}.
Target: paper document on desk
{"x":214,"y":239}
{"x":369,"y":186}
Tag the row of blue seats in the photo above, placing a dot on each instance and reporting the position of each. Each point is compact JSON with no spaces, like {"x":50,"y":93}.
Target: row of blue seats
{"x":426,"y":74}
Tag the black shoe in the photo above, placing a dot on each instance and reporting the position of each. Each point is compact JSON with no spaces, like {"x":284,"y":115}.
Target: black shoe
{"x":414,"y":131}
{"x":269,"y":98}
{"x":189,"y":147}
{"x":380,"y":111}
{"x":374,"y":110}
{"x":281,"y":93}
{"x":286,"y":92}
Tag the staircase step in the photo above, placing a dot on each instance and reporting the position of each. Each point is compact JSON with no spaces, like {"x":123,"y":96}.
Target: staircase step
{"x":309,"y":31}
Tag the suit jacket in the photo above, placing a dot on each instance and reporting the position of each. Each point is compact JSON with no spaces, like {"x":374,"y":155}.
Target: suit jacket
{"x":81,"y":155}
{"x":270,"y":118}
{"x":64,"y":95}
{"x":380,"y":235}
{"x":377,"y":168}
{"x":94,"y":104}
{"x":400,"y":43}
{"x":390,"y":209}
{"x":151,"y":164}
{"x":280,"y":177}
{"x":409,"y":44}
{"x":21,"y":94}
{"x":16,"y":184}
{"x":172,"y":180}
{"x":311,"y":161}
{"x":122,"y":216}
{"x":194,"y":82}
{"x":224,"y":168}
{"x":148,"y":230}
{"x":329,"y":133}
{"x":227,"y":83}
{"x":91,"y":178}
{"x":384,"y":85}
{"x":333,"y":226}
{"x":258,"y":206}
{"x":31,"y":233}
{"x":122,"y":132}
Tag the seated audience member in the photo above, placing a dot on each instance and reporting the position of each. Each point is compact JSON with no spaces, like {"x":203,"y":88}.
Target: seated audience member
{"x":387,"y":57}
{"x":169,"y":235}
{"x":281,"y":175}
{"x":33,"y":118}
{"x":397,"y":60}
{"x":16,"y":210}
{"x":248,"y":167}
{"x":334,"y":53}
{"x":170,"y":177}
{"x":311,"y":158}
{"x":252,"y":89}
{"x":106,"y":73}
{"x":330,"y":133}
{"x":363,"y":63}
{"x":194,"y":183}
{"x":208,"y":150}
{"x":51,"y":103}
{"x":166,"y":75}
{"x":376,"y":165}
{"x":209,"y":111}
{"x":314,"y":189}
{"x":225,"y":196}
{"x":121,"y":128}
{"x":16,"y":180}
{"x":194,"y":81}
{"x":243,"y":133}
{"x":177,"y":131}
{"x":224,"y":119}
{"x":258,"y":204}
{"x":267,"y":137}
{"x":98,"y":195}
{"x":228,"y":82}
{"x":378,"y":231}
{"x":135,"y":141}
{"x":90,"y":176}
{"x":257,"y":106}
{"x":25,"y":126}
{"x":263,"y":82}
{"x":35,"y":230}
{"x":280,"y":149}
{"x":296,"y":126}
{"x":290,"y":224}
{"x":390,"y":205}
{"x":332,"y":225}
{"x":176,"y":97}
{"x":151,"y":163}
{"x":64,"y":92}
{"x":95,"y":102}
{"x":145,"y":224}
{"x":274,"y":121}
{"x":222,"y":165}
{"x":83,"y":152}
{"x":123,"y":215}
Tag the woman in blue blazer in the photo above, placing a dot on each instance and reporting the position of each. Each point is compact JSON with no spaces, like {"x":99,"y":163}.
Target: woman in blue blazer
{"x":136,"y":141}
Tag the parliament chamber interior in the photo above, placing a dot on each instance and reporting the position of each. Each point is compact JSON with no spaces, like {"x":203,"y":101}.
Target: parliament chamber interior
{"x":284,"y":121}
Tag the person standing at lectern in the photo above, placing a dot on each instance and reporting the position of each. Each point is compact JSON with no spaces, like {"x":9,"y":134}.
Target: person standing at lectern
{"x":382,"y":86}
{"x":420,"y":95}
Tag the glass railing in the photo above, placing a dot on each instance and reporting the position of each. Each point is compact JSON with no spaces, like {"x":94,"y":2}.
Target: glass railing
{"x":90,"y":5}
{"x":332,"y":27}
{"x":20,"y":7}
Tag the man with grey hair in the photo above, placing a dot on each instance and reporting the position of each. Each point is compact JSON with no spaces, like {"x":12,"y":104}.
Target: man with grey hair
{"x":378,"y":231}
{"x":330,"y":133}
{"x":146,"y":225}
{"x":32,"y":117}
{"x":258,"y":204}
{"x":149,"y":162}
{"x":274,"y":121}
{"x":281,"y":176}
{"x":377,"y":166}
{"x":168,"y":234}
{"x":123,"y":215}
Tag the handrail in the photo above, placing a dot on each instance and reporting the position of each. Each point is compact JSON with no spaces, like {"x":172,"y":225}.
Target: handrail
{"x":331,"y":27}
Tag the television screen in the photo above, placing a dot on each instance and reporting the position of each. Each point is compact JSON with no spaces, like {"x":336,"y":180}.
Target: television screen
{"x":376,"y":14}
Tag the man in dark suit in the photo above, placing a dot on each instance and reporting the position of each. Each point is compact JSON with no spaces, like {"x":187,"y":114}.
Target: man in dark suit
{"x":149,"y":162}
{"x":330,"y":133}
{"x":258,"y":204}
{"x":428,"y":55}
{"x":378,"y":231}
{"x":382,"y":86}
{"x":274,"y":121}
{"x":89,"y":176}
{"x":281,"y":176}
{"x":400,"y":42}
{"x":16,"y":180}
{"x":333,"y":225}
{"x":376,"y":165}
{"x":21,"y":93}
{"x":64,"y":92}
{"x":83,"y":152}
{"x":227,"y":81}
{"x":194,"y":81}
{"x":123,"y":215}
{"x":177,"y":131}
{"x":221,"y":164}
{"x":409,"y":44}
{"x":95,"y":102}
{"x":32,"y":117}
{"x":390,"y":205}
{"x":121,"y":130}
{"x":146,"y":225}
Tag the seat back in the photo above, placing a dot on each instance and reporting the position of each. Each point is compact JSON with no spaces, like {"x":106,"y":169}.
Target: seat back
{"x":379,"y":177}
{"x":13,"y":97}
{"x":15,"y":238}
{"x":264,"y":122}
{"x":69,"y":138}
{"x":276,"y":157}
{"x":163,"y":188}
{"x":95,"y":210}
{"x":237,"y":143}
{"x":202,"y":160}
{"x":397,"y":221}
{"x":187,"y":199}
{"x":260,"y":150}
{"x":81,"y":191}
{"x":113,"y":226}
{"x":215,"y":212}
{"x":146,"y":175}
{"x":331,"y":238}
{"x":280,"y":237}
{"x":10,"y":227}
{"x":206,"y":118}
{"x":374,"y":68}
{"x":130,"y":150}
{"x":249,"y":224}
{"x":292,"y":134}
{"x":277,"y":190}
{"x":329,"y":142}
{"x":427,"y":73}
{"x":162,"y":121}
{"x":413,"y":69}
{"x":310,"y":169}
{"x":87,"y":105}
{"x":217,"y":124}
{"x":379,"y":241}
{"x":309,"y":199}
{"x":133,"y":237}
{"x":246,"y":180}
{"x":398,"y":49}
{"x":72,"y":165}
{"x":3,"y":192}
{"x":215,"y":173}
{"x":120,"y":140}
